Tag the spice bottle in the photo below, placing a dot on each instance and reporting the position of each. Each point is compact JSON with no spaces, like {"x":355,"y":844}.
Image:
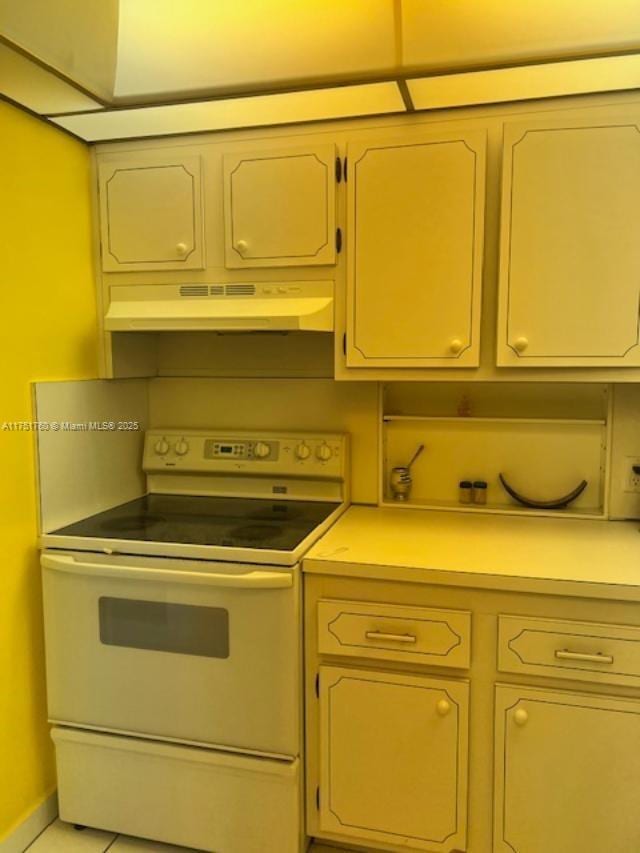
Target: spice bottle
{"x":480,"y":492}
{"x":465,"y":491}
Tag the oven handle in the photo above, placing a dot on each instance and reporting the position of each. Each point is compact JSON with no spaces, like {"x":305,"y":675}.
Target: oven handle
{"x":250,"y":580}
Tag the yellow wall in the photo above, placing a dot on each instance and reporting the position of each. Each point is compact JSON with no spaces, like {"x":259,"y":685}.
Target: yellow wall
{"x":47,"y":331}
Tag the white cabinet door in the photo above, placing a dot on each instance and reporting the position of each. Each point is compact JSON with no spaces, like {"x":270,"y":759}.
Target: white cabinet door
{"x":151,"y":215}
{"x":570,"y":247}
{"x":280,"y":207}
{"x":393,"y":758}
{"x":567,"y":773}
{"x":415,"y":232}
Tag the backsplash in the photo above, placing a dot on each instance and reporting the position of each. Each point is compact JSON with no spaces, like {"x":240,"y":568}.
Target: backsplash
{"x":272,"y":404}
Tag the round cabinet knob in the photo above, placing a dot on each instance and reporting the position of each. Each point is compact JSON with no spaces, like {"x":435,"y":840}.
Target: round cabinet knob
{"x":303,"y":451}
{"x":443,"y":707}
{"x":161,"y":446}
{"x":521,"y":344}
{"x":182,"y":249}
{"x":182,"y":447}
{"x":242,"y":246}
{"x":456,"y":346}
{"x":324,"y":452}
{"x":520,"y":717}
{"x":261,"y":450}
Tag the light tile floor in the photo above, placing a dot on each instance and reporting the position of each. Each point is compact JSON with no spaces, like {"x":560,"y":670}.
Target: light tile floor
{"x":61,"y":837}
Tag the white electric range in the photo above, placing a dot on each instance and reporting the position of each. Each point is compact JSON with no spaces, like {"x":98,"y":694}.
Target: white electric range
{"x":174,"y":641}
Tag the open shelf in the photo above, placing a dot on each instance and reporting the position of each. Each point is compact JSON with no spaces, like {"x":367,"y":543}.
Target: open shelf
{"x":543,"y":447}
{"x":593,"y":513}
{"x":459,"y":419}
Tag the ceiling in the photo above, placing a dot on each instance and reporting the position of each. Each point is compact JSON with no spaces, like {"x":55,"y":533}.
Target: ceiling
{"x":113,"y":69}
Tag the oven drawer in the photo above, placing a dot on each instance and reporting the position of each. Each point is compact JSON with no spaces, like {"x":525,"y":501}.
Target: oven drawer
{"x":582,"y":651}
{"x":418,"y":635}
{"x":198,"y":798}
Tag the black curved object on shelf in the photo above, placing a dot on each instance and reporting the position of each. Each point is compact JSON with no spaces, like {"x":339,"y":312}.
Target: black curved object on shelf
{"x":558,"y":503}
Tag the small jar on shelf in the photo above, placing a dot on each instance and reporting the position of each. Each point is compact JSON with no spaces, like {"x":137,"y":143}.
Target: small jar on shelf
{"x":465,"y":492}
{"x":480,"y":492}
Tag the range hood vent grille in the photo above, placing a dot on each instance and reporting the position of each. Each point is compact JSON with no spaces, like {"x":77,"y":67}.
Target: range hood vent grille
{"x":240,"y":290}
{"x":194,"y":290}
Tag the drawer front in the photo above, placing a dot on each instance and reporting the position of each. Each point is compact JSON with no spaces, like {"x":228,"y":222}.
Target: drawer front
{"x":582,"y":651}
{"x":418,"y":635}
{"x":201,"y":798}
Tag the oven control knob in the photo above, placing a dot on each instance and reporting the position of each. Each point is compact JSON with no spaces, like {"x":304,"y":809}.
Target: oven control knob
{"x":261,"y":450}
{"x":161,"y":446}
{"x":182,"y":447}
{"x":323,"y":452}
{"x":303,"y":451}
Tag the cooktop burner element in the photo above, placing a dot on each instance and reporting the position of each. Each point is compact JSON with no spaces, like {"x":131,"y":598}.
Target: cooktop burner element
{"x":195,"y":520}
{"x":255,"y":532}
{"x":122,"y":524}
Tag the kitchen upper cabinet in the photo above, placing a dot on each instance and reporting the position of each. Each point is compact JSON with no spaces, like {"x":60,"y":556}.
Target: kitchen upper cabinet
{"x":393,"y":758}
{"x":567,"y":773}
{"x":415,"y":228}
{"x":280,"y":208}
{"x":151,"y":215}
{"x":570,"y":247}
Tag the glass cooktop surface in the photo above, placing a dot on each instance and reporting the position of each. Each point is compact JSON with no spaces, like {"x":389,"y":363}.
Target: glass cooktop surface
{"x":194,"y":520}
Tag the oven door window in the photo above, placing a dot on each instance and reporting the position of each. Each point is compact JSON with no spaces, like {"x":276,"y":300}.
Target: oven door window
{"x":164,"y":627}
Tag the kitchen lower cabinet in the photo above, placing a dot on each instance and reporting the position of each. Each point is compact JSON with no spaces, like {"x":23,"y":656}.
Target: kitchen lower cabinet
{"x":413,"y":747}
{"x":569,"y":254}
{"x":280,"y":207}
{"x":393,"y":758}
{"x":567,"y":772}
{"x":151,"y":215}
{"x":415,"y":232}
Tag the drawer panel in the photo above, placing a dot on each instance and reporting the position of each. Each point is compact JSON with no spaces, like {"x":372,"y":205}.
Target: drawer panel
{"x":204,"y":798}
{"x":582,"y":651}
{"x":418,"y":635}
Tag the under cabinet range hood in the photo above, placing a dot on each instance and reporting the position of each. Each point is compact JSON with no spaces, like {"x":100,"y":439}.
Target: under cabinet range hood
{"x":305,"y":306}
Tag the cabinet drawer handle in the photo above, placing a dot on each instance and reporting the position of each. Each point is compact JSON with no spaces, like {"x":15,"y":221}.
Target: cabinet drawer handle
{"x":565,"y":654}
{"x":392,"y":638}
{"x":182,"y":249}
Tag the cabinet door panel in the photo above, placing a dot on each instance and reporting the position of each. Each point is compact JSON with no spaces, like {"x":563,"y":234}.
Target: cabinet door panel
{"x":567,"y":773}
{"x":280,"y":208}
{"x":414,"y":251}
{"x":394,"y":758}
{"x":570,"y":253}
{"x":150,"y":215}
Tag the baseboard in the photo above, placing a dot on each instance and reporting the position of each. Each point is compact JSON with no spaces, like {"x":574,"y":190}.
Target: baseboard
{"x":31,"y":827}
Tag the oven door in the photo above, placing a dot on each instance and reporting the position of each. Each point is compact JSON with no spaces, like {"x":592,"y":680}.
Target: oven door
{"x":185,"y":650}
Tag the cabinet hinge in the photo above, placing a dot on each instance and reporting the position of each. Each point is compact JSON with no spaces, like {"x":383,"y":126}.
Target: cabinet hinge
{"x":344,"y":170}
{"x":344,"y":344}
{"x":318,"y":685}
{"x":338,"y":170}
{"x":338,"y":240}
{"x":318,"y":798}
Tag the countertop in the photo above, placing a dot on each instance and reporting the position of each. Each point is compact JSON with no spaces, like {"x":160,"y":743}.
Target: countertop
{"x":548,"y":555}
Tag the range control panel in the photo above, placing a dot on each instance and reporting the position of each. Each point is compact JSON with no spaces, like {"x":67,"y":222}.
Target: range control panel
{"x":293,"y":454}
{"x":215,"y":448}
